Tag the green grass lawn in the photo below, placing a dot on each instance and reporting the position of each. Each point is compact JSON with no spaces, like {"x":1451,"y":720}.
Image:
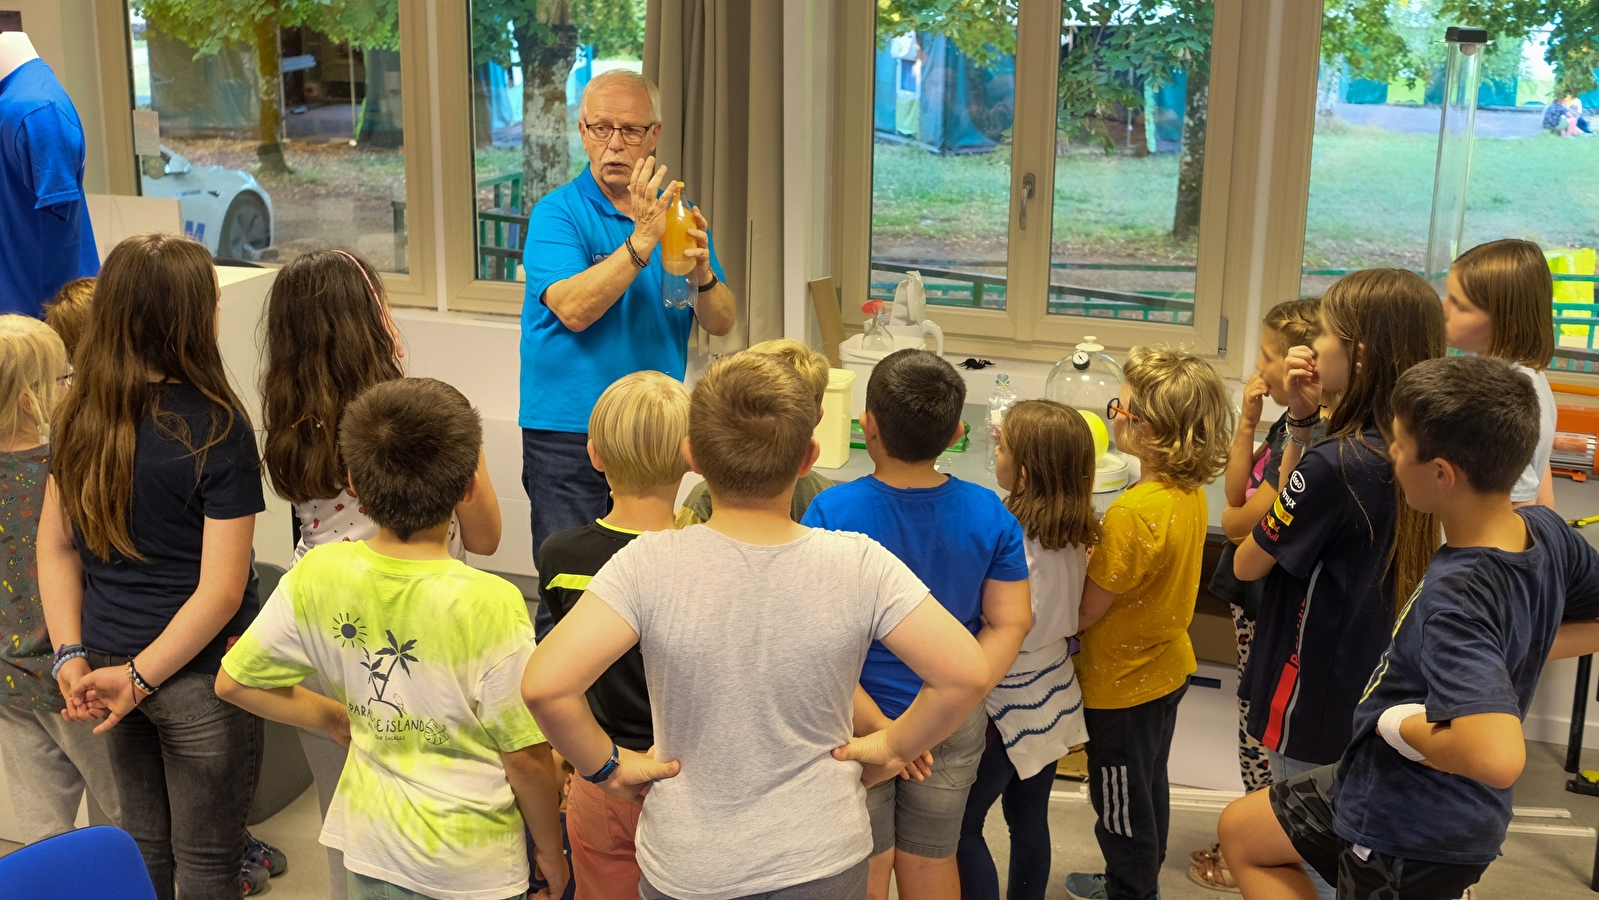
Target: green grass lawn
{"x":1370,"y":199}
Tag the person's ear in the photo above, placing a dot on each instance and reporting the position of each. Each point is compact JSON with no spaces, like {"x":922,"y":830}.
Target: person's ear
{"x":25,"y":403}
{"x":813,"y":452}
{"x":688,"y":457}
{"x":349,"y":484}
{"x":1445,"y":475}
{"x":1021,"y":479}
{"x":869,"y":430}
{"x":960,"y":432}
{"x":594,"y":457}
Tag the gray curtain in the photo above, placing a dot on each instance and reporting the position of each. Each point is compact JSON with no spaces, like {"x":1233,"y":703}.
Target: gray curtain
{"x":719,"y":66}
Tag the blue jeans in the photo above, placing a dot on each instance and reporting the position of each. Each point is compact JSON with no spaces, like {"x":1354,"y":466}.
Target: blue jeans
{"x":186,"y":765}
{"x":1282,"y":769}
{"x":563,"y":491}
{"x":1025,"y":802}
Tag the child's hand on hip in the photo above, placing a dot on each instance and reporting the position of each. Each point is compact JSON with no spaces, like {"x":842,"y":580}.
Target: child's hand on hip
{"x":635,"y":772}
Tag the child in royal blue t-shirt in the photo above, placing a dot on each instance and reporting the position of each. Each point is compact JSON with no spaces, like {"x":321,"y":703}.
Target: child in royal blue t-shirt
{"x":1420,"y":802}
{"x":969,"y":550}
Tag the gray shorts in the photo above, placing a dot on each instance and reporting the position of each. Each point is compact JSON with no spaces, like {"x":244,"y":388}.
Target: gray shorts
{"x":924,"y":817}
{"x":849,"y":884}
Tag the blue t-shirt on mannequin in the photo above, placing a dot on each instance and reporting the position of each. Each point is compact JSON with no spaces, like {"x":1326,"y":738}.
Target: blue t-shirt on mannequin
{"x":45,"y":237}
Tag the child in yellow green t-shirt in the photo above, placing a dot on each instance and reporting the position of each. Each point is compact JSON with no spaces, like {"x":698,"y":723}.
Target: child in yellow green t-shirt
{"x":1175,"y":416}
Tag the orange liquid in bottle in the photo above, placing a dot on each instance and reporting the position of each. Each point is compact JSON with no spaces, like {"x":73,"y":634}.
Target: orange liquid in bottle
{"x":675,"y":240}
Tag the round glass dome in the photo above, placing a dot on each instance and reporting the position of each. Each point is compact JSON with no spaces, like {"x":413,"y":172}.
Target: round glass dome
{"x":1086,"y":380}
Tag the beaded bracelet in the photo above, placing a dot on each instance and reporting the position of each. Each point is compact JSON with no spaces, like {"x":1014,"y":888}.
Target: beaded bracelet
{"x":634,"y":253}
{"x":64,"y":653}
{"x":138,"y":681}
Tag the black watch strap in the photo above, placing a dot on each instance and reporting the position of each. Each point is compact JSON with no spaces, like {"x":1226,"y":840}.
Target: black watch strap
{"x":710,"y":284}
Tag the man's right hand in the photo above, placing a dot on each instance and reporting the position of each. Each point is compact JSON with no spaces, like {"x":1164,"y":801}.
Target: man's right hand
{"x":649,"y":204}
{"x":635,"y":772}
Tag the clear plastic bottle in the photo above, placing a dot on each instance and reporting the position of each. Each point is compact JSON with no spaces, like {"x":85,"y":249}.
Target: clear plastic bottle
{"x":1002,"y":399}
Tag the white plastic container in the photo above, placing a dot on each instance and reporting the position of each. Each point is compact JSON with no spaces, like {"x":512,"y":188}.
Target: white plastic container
{"x":832,"y":433}
{"x":861,"y":362}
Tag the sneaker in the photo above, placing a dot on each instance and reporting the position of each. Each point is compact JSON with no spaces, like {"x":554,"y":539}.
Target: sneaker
{"x":265,"y":855}
{"x":252,"y":878}
{"x":1087,"y":886}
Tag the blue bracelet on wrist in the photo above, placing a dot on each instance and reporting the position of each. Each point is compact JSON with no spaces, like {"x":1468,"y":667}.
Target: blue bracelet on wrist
{"x":64,"y":653}
{"x":606,"y":770}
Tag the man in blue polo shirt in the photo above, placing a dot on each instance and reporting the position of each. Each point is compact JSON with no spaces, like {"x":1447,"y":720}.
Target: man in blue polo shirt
{"x":593,"y":311}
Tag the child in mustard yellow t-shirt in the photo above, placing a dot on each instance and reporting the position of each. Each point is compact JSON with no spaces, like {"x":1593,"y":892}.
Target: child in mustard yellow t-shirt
{"x":1174,"y":415}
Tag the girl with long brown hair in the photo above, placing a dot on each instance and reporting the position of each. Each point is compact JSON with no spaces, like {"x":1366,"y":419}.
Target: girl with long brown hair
{"x":330,"y":336}
{"x":145,"y":551}
{"x":1339,"y":550}
{"x":1500,"y":302}
{"x":1045,"y":459}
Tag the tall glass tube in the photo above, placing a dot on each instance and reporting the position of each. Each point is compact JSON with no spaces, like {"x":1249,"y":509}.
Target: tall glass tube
{"x":1456,"y":125}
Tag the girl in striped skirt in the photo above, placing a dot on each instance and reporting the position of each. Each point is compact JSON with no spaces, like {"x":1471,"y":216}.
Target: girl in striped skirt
{"x":1045,"y":459}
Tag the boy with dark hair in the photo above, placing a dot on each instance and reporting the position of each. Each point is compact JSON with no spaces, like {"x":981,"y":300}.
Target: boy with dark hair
{"x":753,"y":630}
{"x":963,"y":543}
{"x":424,"y":656}
{"x":1419,"y":804}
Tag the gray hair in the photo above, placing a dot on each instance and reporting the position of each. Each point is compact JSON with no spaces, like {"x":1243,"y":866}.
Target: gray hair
{"x":629,"y":78}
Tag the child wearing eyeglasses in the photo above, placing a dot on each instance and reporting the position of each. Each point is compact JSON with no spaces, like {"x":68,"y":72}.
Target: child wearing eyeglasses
{"x":1175,"y":416}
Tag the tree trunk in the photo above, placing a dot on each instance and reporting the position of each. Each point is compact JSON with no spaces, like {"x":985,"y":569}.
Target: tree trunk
{"x":546,"y":49}
{"x":1191,"y":160}
{"x":269,"y":92}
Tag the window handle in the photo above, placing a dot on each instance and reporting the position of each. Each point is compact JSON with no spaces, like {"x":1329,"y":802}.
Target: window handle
{"x":1029,"y":187}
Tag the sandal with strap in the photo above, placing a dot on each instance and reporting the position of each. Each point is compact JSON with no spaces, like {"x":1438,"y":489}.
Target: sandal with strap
{"x":1201,"y":857}
{"x":1212,"y":873}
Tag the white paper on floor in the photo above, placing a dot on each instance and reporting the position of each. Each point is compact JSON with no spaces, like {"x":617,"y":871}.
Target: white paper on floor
{"x":1204,"y":752}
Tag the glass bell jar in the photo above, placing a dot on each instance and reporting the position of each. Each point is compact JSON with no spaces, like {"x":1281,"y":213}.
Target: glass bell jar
{"x":1087,"y":380}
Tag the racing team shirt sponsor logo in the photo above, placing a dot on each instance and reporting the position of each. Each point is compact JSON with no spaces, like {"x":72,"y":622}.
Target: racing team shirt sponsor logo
{"x":1280,"y":510}
{"x":1296,"y":482}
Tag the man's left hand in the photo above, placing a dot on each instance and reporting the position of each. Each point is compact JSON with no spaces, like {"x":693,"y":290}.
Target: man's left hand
{"x":700,"y":252}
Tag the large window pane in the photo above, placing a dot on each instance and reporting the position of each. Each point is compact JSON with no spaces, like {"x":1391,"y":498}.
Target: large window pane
{"x":518,"y":160}
{"x":276,"y":137}
{"x":941,"y":116}
{"x":1130,"y":156}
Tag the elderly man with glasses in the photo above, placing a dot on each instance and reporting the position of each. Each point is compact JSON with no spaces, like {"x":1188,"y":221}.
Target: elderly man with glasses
{"x":593,"y":311}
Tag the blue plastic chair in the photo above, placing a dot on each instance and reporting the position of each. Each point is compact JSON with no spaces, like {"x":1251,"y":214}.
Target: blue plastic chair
{"x":95,"y":863}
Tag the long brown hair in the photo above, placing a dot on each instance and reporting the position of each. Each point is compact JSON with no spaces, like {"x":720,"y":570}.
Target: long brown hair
{"x":1388,"y":320}
{"x":154,"y":314}
{"x":328,"y":338}
{"x":1510,"y":280}
{"x":1053,"y":452}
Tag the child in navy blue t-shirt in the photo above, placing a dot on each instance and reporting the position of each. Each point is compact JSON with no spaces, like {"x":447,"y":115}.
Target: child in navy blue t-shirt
{"x":969,"y":550}
{"x":1420,"y":802}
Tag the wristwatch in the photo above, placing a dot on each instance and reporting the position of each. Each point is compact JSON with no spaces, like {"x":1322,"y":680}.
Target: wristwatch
{"x":709,"y":284}
{"x":606,"y":770}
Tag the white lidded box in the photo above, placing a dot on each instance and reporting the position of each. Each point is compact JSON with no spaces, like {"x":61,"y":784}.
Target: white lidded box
{"x":832,"y":433}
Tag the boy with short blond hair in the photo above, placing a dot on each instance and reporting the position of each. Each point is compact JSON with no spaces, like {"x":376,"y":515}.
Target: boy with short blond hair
{"x":422,"y":656}
{"x":959,"y":538}
{"x":636,"y":437}
{"x":755,"y":786}
{"x":812,"y":368}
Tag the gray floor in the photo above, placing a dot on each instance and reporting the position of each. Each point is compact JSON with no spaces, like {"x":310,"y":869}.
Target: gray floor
{"x":1532,"y":867}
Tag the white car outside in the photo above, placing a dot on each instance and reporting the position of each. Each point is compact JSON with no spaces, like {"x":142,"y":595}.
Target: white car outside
{"x":225,"y":209}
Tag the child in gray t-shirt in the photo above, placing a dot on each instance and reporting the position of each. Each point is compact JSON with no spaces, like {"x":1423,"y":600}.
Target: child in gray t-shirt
{"x":753,"y":631}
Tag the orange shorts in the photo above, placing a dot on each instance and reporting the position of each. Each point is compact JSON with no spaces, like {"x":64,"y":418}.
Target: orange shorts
{"x":600,"y":829}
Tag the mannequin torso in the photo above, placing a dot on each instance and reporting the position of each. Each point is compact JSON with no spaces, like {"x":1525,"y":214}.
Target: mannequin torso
{"x":15,"y":49}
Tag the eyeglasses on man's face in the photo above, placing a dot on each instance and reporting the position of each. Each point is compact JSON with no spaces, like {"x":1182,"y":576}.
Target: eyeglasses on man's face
{"x":631,"y":134}
{"x":1114,"y":408}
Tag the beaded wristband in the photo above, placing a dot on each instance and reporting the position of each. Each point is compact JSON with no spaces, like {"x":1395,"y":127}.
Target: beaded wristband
{"x":138,"y":681}
{"x":634,"y":253}
{"x":67,"y":652}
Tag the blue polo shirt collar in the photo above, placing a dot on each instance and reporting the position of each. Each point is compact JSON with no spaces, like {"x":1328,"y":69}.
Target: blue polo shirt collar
{"x":590,"y":189}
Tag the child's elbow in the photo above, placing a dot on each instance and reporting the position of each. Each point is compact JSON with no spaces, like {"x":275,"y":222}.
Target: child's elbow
{"x":227,"y":689}
{"x":1502,"y":768}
